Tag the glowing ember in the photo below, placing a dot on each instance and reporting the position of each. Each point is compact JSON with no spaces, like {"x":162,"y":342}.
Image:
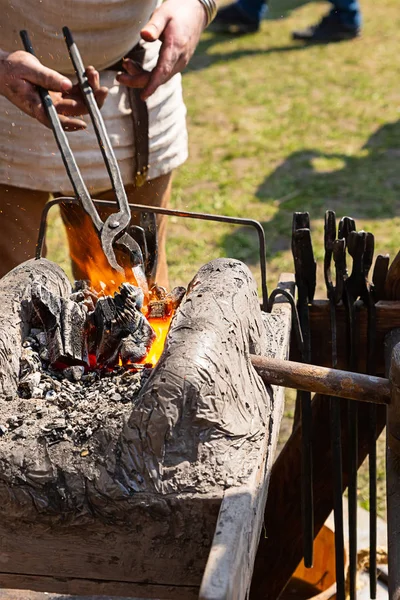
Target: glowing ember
{"x":161,"y":327}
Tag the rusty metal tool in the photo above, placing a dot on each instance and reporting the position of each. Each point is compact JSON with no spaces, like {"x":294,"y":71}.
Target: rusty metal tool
{"x":392,"y":283}
{"x":149,"y":225}
{"x":305,"y":273}
{"x":112,"y":232}
{"x":295,"y":315}
{"x":353,"y":285}
{"x":115,"y":227}
{"x":379,"y":275}
{"x":158,"y":210}
{"x":335,"y":249}
{"x":367,"y":295}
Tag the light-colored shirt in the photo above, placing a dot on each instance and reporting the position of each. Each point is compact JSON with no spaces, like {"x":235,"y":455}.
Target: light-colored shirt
{"x":104,"y":30}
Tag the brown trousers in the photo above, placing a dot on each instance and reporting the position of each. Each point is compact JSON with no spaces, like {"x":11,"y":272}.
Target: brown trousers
{"x":20,"y":211}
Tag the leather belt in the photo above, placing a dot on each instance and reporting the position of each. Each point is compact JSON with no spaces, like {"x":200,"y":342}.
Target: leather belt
{"x":140,"y":119}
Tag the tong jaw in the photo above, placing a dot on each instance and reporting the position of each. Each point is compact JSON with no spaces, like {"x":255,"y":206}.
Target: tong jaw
{"x":113,"y":232}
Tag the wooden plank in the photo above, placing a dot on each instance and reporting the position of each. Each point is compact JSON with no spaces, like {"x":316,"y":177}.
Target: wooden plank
{"x":393,"y":464}
{"x":88,"y":587}
{"x":281,"y":548}
{"x":167,"y":545}
{"x":230,"y":565}
{"x":387,"y":318}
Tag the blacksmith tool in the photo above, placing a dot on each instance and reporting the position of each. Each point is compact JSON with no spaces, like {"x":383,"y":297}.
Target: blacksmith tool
{"x":379,"y":275}
{"x":148,"y":225}
{"x":392,"y":283}
{"x":305,"y":273}
{"x":295,"y":315}
{"x":346,"y":226}
{"x":116,"y":226}
{"x":368,"y":297}
{"x":322,"y":380}
{"x":112,"y":232}
{"x":158,"y":210}
{"x":335,"y":249}
{"x":353,"y":286}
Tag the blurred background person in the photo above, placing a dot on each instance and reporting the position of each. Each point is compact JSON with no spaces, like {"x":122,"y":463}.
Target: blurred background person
{"x":343,"y":21}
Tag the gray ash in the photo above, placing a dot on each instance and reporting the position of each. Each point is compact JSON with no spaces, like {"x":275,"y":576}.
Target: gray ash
{"x":71,"y":403}
{"x":70,"y":364}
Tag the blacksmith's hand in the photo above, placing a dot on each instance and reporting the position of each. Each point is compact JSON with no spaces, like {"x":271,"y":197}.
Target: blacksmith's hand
{"x":20,"y":73}
{"x":179,"y":26}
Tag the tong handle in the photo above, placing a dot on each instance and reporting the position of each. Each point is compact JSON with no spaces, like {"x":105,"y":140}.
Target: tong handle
{"x":74,"y":174}
{"x":120,"y":221}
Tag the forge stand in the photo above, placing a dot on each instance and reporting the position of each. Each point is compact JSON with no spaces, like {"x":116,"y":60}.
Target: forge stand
{"x":172,"y":506}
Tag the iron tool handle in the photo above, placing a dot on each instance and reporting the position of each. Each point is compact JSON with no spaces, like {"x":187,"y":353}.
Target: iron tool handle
{"x":117,"y":223}
{"x":43,"y":93}
{"x":75,"y":177}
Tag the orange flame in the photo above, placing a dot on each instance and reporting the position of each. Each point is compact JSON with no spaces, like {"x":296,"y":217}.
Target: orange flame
{"x":161,"y":328}
{"x":87,"y":254}
{"x":90,"y":260}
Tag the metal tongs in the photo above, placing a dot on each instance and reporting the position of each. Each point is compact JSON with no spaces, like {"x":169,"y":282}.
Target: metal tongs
{"x":113,"y":231}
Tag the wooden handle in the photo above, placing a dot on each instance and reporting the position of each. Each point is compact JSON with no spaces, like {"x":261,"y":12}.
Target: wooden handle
{"x":330,"y":382}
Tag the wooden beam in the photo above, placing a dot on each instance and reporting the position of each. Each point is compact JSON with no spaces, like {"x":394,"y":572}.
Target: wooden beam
{"x":393,"y":464}
{"x":92,"y":588}
{"x":281,"y":544}
{"x":387,"y":318}
{"x":332,"y":382}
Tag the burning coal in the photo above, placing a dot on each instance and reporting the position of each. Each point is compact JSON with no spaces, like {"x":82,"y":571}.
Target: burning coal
{"x":99,"y":331}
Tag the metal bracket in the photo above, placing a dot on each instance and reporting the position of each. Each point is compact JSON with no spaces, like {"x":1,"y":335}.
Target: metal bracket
{"x":141,"y":208}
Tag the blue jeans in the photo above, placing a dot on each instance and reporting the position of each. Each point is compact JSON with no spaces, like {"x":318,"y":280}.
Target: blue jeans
{"x":347,"y":10}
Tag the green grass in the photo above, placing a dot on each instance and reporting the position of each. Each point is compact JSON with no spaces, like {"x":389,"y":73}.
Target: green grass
{"x":276,"y":127}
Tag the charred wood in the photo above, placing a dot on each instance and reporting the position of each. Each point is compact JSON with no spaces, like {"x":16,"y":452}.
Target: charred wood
{"x":64,"y":324}
{"x":16,"y":313}
{"x":162,"y":304}
{"x":121,"y":328}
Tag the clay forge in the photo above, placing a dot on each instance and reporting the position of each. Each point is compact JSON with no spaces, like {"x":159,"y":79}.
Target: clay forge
{"x":99,"y":443}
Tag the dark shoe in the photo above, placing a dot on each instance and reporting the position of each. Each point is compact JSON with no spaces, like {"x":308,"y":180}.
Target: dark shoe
{"x":329,"y":29}
{"x":231,"y":19}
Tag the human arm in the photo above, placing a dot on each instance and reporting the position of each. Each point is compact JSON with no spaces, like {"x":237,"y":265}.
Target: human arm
{"x":20,"y":73}
{"x":179,"y":26}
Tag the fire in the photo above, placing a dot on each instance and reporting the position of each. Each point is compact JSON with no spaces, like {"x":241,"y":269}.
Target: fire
{"x":161,"y":327}
{"x":90,"y":260}
{"x":88,"y":256}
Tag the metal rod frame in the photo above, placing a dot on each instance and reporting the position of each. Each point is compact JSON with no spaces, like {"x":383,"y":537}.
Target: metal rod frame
{"x":170,"y":212}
